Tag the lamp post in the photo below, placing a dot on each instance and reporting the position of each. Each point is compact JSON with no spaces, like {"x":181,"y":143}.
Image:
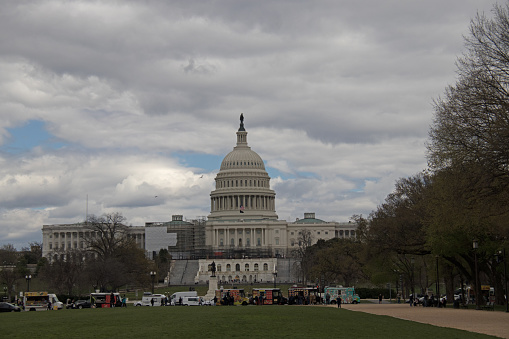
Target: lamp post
{"x":438,"y":283}
{"x":475,"y":245}
{"x":275,"y":275}
{"x":28,"y":277}
{"x":412,"y":261}
{"x":153,"y":275}
{"x":505,"y":280}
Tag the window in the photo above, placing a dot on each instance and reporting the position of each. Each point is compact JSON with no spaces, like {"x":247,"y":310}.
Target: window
{"x":221,"y":242}
{"x":277,"y":241}
{"x":258,"y":242}
{"x":218,"y":268}
{"x":246,"y":268}
{"x":228,"y":268}
{"x":265,"y":267}
{"x":237,"y":267}
{"x":232,"y":242}
{"x":256,"y":267}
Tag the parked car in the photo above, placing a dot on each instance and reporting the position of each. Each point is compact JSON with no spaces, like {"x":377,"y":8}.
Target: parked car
{"x":8,"y":307}
{"x":79,"y":304}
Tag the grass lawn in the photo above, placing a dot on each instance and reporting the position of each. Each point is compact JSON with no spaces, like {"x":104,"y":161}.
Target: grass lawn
{"x":216,"y":321}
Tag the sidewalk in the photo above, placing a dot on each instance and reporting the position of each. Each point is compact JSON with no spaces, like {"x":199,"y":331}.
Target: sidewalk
{"x":486,"y":322}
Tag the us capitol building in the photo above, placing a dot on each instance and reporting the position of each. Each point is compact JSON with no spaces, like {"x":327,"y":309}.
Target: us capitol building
{"x":242,"y":233}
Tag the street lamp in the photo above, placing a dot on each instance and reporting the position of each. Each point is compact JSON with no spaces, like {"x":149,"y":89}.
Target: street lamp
{"x":438,"y":283}
{"x":412,"y":261}
{"x":153,"y":275}
{"x":28,"y":277}
{"x":275,"y":276}
{"x":475,"y":245}
{"x":502,"y":252}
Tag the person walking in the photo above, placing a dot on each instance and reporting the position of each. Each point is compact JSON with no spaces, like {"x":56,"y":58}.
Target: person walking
{"x":338,"y":300}
{"x":380,"y":298}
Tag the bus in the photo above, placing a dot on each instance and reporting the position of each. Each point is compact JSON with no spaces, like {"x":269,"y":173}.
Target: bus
{"x":225,"y":296}
{"x":268,"y":296}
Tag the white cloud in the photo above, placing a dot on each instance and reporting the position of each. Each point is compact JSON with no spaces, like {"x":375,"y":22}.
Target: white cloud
{"x":337,"y":98}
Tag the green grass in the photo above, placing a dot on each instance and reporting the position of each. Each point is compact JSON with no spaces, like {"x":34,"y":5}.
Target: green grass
{"x":217,"y":321}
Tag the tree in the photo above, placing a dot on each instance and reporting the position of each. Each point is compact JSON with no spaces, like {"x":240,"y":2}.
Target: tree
{"x":301,"y":253}
{"x":66,"y":271}
{"x":468,"y":152}
{"x":108,"y":234}
{"x":397,"y":224}
{"x":471,"y":122}
{"x":118,"y":260}
{"x":338,"y":260}
{"x":9,"y":273}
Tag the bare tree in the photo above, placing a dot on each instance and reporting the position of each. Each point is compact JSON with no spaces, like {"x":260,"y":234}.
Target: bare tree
{"x":9,"y":273}
{"x":65,"y":272}
{"x":109,"y":234}
{"x":301,"y":253}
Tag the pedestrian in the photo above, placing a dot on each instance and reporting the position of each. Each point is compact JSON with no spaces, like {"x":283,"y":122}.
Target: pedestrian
{"x":124,"y":301}
{"x":49,"y":305}
{"x":411,"y":301}
{"x":380,"y":298}
{"x":338,"y":300}
{"x":180,"y":301}
{"x":327,"y":299}
{"x":152,"y":301}
{"x":112,"y":300}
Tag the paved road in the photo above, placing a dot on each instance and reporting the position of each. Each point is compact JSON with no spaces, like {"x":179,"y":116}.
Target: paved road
{"x":486,"y":322}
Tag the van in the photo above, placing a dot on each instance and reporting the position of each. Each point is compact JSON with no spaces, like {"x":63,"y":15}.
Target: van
{"x":55,"y":303}
{"x":175,"y":297}
{"x":146,"y":300}
{"x":193,"y":301}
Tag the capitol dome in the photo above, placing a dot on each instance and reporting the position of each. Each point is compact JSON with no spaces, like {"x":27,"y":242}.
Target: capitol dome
{"x":242,"y":185}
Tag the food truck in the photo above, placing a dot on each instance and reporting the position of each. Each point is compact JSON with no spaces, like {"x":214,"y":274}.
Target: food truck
{"x":302,"y":295}
{"x":268,"y":296}
{"x":106,"y":300}
{"x":347,"y":295}
{"x":36,"y":301}
{"x":225,"y":296}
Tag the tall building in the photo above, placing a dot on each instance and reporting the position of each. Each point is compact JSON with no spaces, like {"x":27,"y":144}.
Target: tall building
{"x":242,"y":223}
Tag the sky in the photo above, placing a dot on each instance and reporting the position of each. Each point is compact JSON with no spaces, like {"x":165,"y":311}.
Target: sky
{"x":130,"y":106}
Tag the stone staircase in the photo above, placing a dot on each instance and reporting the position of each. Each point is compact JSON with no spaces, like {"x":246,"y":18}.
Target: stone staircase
{"x":183,"y":272}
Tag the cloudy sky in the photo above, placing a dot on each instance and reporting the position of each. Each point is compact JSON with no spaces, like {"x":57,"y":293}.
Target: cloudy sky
{"x":118,"y":102}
